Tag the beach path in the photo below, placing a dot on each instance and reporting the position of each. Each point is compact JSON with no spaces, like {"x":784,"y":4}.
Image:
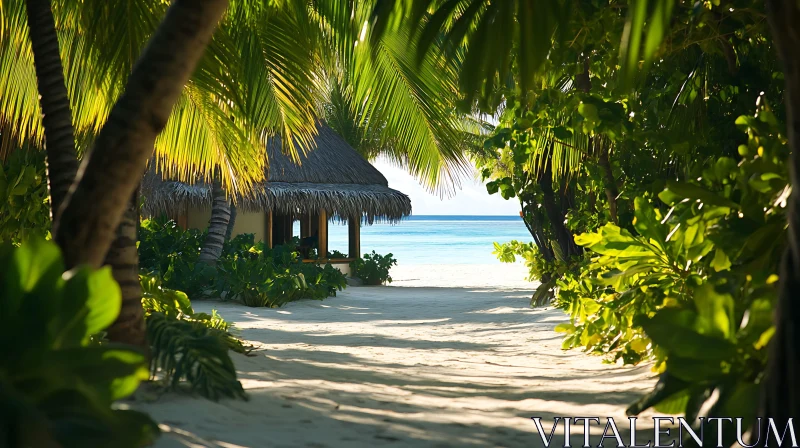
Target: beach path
{"x":411,"y":365}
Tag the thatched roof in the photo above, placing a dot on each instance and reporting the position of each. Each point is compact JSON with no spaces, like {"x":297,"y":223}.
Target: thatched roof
{"x":333,"y":177}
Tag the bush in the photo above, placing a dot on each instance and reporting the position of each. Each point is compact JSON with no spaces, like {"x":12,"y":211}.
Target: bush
{"x":692,"y":288}
{"x":56,"y":386}
{"x":373,"y":269}
{"x":172,"y":254}
{"x":24,"y":201}
{"x":247,"y":272}
{"x":188,"y":346}
{"x":336,"y":254}
{"x":272,"y":278}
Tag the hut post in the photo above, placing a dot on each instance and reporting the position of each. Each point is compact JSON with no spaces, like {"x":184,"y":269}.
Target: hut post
{"x":322,"y":237}
{"x":183,"y":218}
{"x":281,"y":229}
{"x":268,"y":228}
{"x":354,"y":237}
{"x":306,"y":226}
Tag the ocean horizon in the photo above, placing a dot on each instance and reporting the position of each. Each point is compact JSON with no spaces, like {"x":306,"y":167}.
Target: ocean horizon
{"x":435,"y":239}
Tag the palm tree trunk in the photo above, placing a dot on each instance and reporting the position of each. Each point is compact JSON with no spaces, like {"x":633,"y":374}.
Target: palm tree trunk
{"x":86,"y":224}
{"x":780,"y":390}
{"x":59,"y":135}
{"x":217,"y":225}
{"x":231,"y":223}
{"x":123,"y":258}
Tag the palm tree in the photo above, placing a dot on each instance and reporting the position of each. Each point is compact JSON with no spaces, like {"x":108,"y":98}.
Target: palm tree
{"x":258,"y":77}
{"x":217,"y":225}
{"x":62,"y":162}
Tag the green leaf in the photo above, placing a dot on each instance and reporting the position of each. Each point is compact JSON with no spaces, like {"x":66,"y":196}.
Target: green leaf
{"x":107,"y":373}
{"x":715,"y":311}
{"x":677,"y":191}
{"x":668,"y":385}
{"x":694,"y":370}
{"x":647,"y":221}
{"x":615,"y":241}
{"x":721,"y":262}
{"x":657,"y":25}
{"x":36,"y":265}
{"x":674,"y":330}
{"x":93,"y":301}
{"x":631,"y":39}
{"x":562,"y":133}
{"x":589,"y":112}
{"x":564,"y":328}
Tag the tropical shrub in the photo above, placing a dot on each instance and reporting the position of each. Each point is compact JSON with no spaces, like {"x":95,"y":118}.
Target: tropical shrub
{"x":189,"y":348}
{"x":247,"y":271}
{"x":56,"y":386}
{"x":24,"y":201}
{"x":546,"y":272}
{"x":172,"y":253}
{"x":374,"y":268}
{"x":336,"y":254}
{"x":692,"y":288}
{"x":658,"y":223}
{"x":272,"y":278}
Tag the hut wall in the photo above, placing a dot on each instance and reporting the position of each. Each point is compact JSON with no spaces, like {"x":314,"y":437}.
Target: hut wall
{"x":245,"y":222}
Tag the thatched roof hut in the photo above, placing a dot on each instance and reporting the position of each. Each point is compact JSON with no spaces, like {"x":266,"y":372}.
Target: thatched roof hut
{"x":332,"y":177}
{"x":332,"y":181}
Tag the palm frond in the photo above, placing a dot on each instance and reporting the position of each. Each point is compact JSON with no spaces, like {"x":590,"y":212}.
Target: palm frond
{"x":416,"y":107}
{"x":192,"y":352}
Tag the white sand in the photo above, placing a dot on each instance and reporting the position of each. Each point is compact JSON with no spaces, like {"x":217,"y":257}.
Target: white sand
{"x":404,"y":366}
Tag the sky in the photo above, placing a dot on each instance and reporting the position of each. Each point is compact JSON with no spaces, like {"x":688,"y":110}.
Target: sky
{"x":471,"y":199}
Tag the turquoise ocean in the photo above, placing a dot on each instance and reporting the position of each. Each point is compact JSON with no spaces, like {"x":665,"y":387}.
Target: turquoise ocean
{"x":430,"y":239}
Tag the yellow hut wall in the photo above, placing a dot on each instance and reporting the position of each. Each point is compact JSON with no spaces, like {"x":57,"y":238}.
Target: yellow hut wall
{"x":245,"y":222}
{"x":197,"y":218}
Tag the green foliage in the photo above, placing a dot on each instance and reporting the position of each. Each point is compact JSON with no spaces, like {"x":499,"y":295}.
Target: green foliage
{"x":24,"y":201}
{"x":262,"y":277}
{"x":374,"y":268}
{"x":336,"y":254}
{"x":538,"y":267}
{"x":56,"y":387}
{"x":168,"y":251}
{"x":189,"y":348}
{"x":692,"y":288}
{"x":247,"y":271}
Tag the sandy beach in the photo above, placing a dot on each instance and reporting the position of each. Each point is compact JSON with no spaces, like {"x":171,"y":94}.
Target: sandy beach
{"x":448,"y":356}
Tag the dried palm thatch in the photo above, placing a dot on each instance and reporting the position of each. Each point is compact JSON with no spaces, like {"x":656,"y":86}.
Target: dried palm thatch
{"x":332,"y":177}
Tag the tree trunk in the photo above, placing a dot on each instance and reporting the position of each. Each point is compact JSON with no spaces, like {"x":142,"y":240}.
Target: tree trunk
{"x":609,"y":183}
{"x":535,"y":229}
{"x":231,"y":223}
{"x":556,"y":216}
{"x":59,"y":135}
{"x":86,"y":224}
{"x":780,"y":389}
{"x":217,"y":225}
{"x":123,"y":258}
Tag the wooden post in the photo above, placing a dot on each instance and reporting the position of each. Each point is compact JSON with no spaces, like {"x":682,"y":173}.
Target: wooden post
{"x":282,"y":229}
{"x":268,"y":229}
{"x":322,"y":237}
{"x":288,"y":223}
{"x":183,"y":218}
{"x":354,"y":237}
{"x":305,"y":226}
{"x":313,"y":224}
